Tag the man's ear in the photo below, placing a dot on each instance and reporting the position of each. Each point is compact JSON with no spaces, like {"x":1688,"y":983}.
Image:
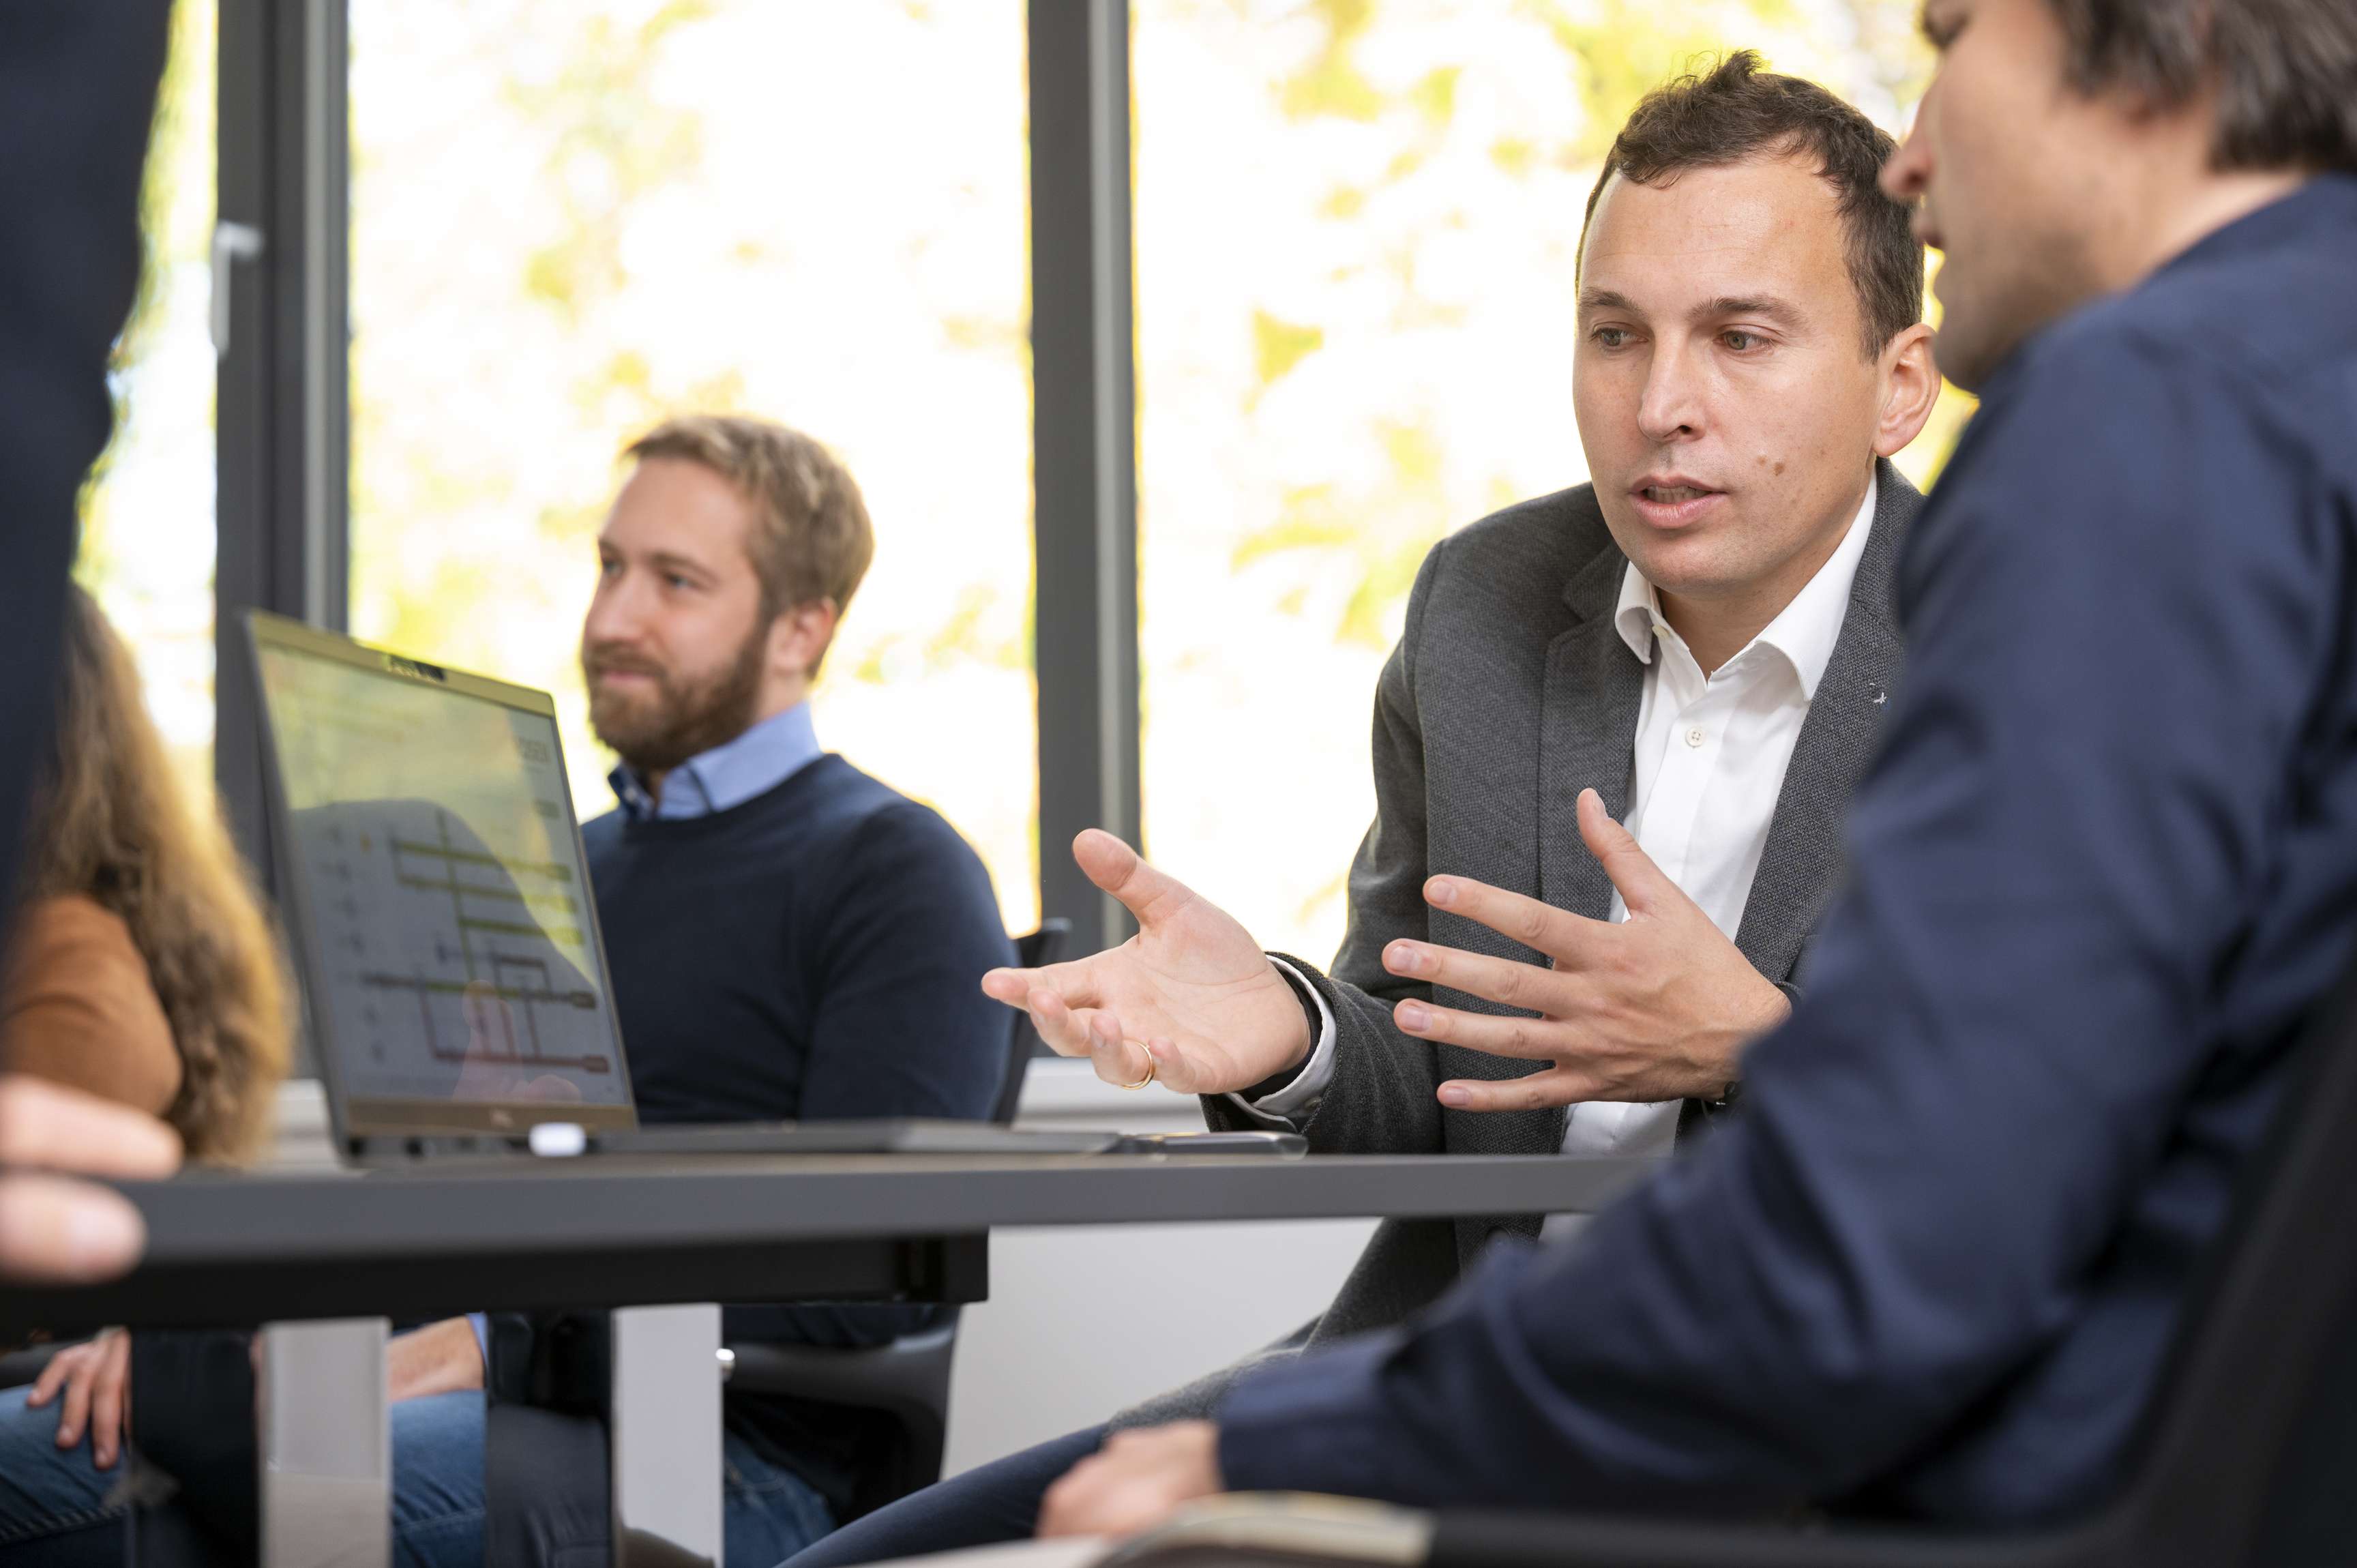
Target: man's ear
{"x":1911,"y":388}
{"x":800,"y":635}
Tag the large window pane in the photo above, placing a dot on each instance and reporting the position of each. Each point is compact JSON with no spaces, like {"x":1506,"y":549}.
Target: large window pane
{"x":147,"y":512}
{"x":1356,"y":226}
{"x":571,"y":218}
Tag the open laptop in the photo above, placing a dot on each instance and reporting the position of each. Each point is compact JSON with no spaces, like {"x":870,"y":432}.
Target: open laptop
{"x":439,"y":906}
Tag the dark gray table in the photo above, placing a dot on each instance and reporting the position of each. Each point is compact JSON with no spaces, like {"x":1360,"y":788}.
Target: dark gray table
{"x":429,"y":1242}
{"x":326,"y":1260}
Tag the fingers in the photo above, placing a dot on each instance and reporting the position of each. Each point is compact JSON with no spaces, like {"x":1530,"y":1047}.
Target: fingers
{"x":1091,"y":1033}
{"x":54,"y":1230}
{"x":51,"y":1127}
{"x":1643,"y":886}
{"x":53,"y":1376}
{"x":1529,"y":1039}
{"x":1539,"y":1091}
{"x":1065,"y":1029}
{"x":1496,"y":979}
{"x":74,"y":1410}
{"x":1570,"y":940}
{"x":109,"y":1385}
{"x":1119,"y":870}
{"x":1120,"y":1062}
{"x":1075,"y":982}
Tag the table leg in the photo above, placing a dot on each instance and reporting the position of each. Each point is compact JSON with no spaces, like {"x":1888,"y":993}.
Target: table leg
{"x":326,"y":1450}
{"x":665,"y":1436}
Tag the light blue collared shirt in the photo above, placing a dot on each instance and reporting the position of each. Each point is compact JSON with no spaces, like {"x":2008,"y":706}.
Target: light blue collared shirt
{"x":729,"y":775}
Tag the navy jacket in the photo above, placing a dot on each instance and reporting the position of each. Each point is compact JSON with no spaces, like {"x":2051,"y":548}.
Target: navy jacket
{"x":2105,"y":866}
{"x":77,"y":96}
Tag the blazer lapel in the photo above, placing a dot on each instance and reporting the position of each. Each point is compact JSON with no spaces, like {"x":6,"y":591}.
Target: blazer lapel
{"x":1587,"y":736}
{"x":1802,"y":859}
{"x":1588,"y":739}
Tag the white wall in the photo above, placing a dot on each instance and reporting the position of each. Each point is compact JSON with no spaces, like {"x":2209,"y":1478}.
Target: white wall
{"x":1083,"y":1320}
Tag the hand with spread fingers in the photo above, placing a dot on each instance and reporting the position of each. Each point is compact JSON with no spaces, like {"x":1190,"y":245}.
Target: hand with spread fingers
{"x":94,"y":1380}
{"x":1190,"y":1002}
{"x":1656,"y":1007}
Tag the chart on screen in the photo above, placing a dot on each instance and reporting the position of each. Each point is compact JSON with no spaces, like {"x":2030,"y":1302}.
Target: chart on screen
{"x":446,"y":901}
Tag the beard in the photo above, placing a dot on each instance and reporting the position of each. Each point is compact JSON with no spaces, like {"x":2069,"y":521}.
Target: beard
{"x":683,"y":716}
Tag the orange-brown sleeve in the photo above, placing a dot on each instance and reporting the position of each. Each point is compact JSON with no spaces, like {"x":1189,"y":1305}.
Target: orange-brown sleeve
{"x":79,"y":1009}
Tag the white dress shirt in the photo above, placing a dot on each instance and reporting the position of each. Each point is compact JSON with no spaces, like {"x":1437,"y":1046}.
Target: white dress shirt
{"x":1708,"y":765}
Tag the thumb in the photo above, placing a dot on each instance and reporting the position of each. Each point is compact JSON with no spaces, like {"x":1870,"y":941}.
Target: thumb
{"x":1121,"y":871}
{"x":1642,"y":884}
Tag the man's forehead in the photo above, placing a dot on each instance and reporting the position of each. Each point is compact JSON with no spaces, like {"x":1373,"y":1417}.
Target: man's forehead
{"x":1735,"y":230}
{"x":680,"y":508}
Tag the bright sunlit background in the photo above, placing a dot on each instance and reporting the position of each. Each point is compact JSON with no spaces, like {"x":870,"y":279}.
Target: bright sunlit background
{"x":1355,"y":221}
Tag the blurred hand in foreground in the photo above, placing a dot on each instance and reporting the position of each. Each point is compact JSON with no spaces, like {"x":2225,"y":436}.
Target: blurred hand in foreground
{"x":56,"y":1231}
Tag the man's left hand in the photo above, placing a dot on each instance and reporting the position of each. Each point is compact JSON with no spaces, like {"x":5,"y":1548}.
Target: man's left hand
{"x":1134,"y":1481}
{"x":1656,"y":1007}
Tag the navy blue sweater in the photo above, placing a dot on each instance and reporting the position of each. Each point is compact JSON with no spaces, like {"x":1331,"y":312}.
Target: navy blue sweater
{"x":815,"y":953}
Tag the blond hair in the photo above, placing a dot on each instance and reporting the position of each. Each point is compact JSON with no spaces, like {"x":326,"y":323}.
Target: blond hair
{"x":112,"y":824}
{"x":811,"y":538}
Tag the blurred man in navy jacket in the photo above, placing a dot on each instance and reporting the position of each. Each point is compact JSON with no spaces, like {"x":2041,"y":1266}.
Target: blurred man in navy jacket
{"x":78,"y":83}
{"x":2105,"y":868}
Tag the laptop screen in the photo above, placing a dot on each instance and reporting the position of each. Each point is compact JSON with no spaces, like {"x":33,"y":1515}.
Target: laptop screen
{"x":443,"y":907}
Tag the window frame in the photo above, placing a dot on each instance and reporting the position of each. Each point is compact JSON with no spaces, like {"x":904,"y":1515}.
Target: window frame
{"x":283,"y":432}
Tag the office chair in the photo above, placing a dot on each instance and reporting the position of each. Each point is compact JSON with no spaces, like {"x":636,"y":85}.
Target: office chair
{"x":2249,"y":1461}
{"x":908,"y":1378}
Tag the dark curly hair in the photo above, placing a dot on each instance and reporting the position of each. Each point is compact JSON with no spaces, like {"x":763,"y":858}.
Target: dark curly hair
{"x":2285,"y":70}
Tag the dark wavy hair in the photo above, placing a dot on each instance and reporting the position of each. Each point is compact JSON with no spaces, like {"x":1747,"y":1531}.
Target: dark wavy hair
{"x":1737,"y":110}
{"x":2285,"y":70}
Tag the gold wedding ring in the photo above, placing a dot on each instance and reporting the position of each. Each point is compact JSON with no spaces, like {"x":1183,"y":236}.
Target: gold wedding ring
{"x":1142,"y":1082}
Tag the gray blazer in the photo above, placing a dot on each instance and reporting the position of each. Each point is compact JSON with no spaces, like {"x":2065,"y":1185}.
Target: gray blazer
{"x":1511,"y":691}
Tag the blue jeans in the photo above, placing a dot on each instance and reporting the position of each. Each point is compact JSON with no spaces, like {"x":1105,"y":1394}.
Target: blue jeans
{"x":991,"y":1503}
{"x":51,"y":1494}
{"x":767,"y":1512}
{"x":58,"y":1497}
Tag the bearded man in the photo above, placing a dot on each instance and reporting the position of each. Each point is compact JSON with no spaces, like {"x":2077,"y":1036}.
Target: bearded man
{"x":788,"y":937}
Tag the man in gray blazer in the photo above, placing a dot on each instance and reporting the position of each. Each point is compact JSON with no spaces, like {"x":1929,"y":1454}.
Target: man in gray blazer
{"x":1697,"y":644}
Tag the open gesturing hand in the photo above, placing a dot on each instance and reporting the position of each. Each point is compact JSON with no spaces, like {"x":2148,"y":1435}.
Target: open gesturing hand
{"x":1656,"y":1007}
{"x":1190,"y":1002}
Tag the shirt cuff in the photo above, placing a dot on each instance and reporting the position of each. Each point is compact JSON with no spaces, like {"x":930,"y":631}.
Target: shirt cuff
{"x":481,"y":1324}
{"x":1293,"y":1103}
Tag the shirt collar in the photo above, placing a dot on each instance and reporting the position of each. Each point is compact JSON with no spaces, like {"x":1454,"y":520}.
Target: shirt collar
{"x":729,"y":775}
{"x":1804,"y":631}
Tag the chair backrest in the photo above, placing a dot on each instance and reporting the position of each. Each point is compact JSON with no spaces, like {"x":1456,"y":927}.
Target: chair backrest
{"x":1043,"y":946}
{"x":907,"y":1381}
{"x":2252,"y":1457}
